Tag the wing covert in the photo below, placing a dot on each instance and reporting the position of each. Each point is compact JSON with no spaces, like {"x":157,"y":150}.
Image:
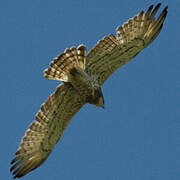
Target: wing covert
{"x":46,"y":130}
{"x":113,"y":51}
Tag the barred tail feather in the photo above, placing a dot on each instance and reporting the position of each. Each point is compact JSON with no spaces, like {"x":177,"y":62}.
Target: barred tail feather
{"x":61,"y":65}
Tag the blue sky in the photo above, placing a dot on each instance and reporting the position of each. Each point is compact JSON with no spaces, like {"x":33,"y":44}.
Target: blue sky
{"x":136,"y":136}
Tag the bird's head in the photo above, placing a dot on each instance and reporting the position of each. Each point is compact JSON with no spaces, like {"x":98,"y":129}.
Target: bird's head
{"x":100,"y":102}
{"x":99,"y":99}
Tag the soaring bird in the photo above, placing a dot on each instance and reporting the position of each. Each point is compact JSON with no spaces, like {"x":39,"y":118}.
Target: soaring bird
{"x":82,"y":76}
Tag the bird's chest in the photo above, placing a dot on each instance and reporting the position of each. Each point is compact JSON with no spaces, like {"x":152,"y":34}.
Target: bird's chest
{"x":83,"y":83}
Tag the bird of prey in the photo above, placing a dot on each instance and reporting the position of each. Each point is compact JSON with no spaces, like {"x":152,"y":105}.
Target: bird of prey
{"x":82,"y":76}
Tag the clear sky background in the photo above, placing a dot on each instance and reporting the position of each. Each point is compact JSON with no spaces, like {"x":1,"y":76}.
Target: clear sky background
{"x":136,"y":136}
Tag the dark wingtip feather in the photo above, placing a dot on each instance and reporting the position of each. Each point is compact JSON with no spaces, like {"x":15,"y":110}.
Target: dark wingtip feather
{"x":165,"y":9}
{"x":157,"y":6}
{"x":12,"y":168}
{"x":155,"y":9}
{"x":14,"y":160}
{"x":151,"y":6}
{"x":164,"y":12}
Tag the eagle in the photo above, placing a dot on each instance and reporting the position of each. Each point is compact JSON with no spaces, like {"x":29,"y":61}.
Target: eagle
{"x":82,"y":75}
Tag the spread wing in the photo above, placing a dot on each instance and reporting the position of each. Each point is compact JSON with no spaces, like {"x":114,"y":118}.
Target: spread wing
{"x":112,"y":52}
{"x":45,"y":131}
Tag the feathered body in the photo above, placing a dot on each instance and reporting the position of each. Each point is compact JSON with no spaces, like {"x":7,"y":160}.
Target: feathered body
{"x":82,"y":77}
{"x":70,"y":67}
{"x":87,"y":87}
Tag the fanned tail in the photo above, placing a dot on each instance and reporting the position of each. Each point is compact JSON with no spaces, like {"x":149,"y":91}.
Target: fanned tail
{"x":61,"y":65}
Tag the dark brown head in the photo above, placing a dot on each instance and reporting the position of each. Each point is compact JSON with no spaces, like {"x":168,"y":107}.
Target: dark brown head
{"x":100,"y":102}
{"x":98,"y":98}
